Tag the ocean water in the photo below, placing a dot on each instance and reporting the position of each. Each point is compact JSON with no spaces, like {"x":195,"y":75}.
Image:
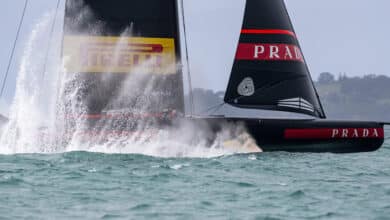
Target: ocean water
{"x":279,"y":185}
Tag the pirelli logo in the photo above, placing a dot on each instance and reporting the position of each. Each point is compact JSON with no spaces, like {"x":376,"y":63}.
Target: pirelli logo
{"x":96,"y":54}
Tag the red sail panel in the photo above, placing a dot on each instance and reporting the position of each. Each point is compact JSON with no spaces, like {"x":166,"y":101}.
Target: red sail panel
{"x":268,"y":31}
{"x":269,"y":52}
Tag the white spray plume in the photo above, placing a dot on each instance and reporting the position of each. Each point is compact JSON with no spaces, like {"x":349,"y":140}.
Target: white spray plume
{"x":38,"y":115}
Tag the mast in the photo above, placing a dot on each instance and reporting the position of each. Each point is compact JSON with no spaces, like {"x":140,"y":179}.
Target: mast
{"x":185,"y":63}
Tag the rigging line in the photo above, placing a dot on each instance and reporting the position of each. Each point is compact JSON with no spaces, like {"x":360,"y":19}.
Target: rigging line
{"x":14,"y":48}
{"x":50,"y":39}
{"x":187,"y":60}
{"x":217,"y":107}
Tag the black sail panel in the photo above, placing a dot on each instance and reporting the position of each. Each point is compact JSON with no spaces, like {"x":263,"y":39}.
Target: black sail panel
{"x":269,"y":71}
{"x":125,"y":51}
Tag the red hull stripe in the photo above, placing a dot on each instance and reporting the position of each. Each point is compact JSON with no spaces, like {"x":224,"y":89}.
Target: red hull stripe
{"x":268,"y":31}
{"x":334,"y":133}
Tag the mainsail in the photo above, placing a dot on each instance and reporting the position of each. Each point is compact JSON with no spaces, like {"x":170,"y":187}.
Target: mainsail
{"x":269,"y":71}
{"x":125,"y":51}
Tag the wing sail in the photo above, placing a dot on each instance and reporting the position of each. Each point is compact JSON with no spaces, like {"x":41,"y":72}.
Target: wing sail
{"x":269,"y":71}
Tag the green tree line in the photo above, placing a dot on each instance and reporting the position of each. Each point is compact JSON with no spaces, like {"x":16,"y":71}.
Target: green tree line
{"x":343,"y":97}
{"x":357,"y":98}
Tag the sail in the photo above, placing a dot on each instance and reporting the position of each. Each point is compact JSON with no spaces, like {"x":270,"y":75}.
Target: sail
{"x":126,"y":51}
{"x":269,"y":70}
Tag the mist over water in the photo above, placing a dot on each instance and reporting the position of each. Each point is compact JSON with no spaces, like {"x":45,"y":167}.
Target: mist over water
{"x":39,"y":115}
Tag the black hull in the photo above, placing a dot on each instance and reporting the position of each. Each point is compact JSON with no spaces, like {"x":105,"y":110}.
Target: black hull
{"x":312,"y":136}
{"x":272,"y":135}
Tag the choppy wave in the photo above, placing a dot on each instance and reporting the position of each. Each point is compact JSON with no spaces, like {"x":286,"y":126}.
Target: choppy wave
{"x":86,"y":185}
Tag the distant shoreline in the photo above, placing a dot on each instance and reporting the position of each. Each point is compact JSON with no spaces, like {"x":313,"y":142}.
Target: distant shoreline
{"x":355,"y":98}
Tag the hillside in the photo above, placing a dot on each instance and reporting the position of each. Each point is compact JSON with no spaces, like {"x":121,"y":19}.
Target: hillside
{"x":358,"y":98}
{"x":353,"y":98}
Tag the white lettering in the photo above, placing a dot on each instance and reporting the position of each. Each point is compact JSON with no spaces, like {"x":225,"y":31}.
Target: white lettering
{"x":298,"y":54}
{"x":366,"y":132}
{"x":288,"y":53}
{"x":355,"y":133}
{"x":259,"y":50}
{"x":376,"y":134}
{"x":345,"y":133}
{"x":274,"y":50}
{"x":335,"y":133}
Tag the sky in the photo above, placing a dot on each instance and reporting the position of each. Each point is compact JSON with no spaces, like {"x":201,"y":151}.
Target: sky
{"x":348,"y":36}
